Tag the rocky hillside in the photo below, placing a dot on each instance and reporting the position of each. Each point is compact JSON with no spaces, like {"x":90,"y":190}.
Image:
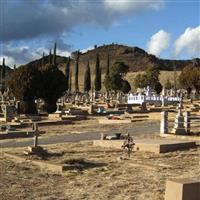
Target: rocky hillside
{"x":136,"y":58}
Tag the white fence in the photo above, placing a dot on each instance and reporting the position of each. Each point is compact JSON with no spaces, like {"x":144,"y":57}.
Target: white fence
{"x":139,"y":99}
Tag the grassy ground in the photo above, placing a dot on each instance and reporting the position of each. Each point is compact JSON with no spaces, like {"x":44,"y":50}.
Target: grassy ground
{"x":101,"y":176}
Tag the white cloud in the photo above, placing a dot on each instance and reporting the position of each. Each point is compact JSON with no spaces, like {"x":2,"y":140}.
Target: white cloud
{"x":124,"y":6}
{"x":189,"y":41}
{"x":87,"y":49}
{"x":158,"y":42}
{"x":24,"y":54}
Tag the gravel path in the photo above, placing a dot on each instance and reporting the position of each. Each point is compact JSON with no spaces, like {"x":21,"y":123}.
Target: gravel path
{"x":136,"y":130}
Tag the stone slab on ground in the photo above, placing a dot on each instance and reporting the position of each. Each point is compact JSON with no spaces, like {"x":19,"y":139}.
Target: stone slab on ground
{"x":58,"y":168}
{"x":16,"y":134}
{"x":183,"y":189}
{"x":114,"y":121}
{"x":149,"y":145}
{"x":181,"y":137}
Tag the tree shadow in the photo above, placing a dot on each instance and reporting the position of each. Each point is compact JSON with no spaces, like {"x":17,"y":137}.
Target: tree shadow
{"x":81,"y":164}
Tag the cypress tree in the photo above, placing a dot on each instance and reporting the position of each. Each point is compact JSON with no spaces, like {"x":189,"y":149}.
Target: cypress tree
{"x":108,"y":66}
{"x":43,"y":61}
{"x":87,"y":79}
{"x":67,"y":72}
{"x":97,"y":81}
{"x":70,"y":81}
{"x":107,"y":76}
{"x":76,"y":73}
{"x":50,"y":57}
{"x":54,"y":54}
{"x":3,"y":74}
{"x":14,"y":66}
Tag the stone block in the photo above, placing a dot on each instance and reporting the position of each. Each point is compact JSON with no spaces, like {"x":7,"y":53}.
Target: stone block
{"x":182,"y":189}
{"x":148,"y":145}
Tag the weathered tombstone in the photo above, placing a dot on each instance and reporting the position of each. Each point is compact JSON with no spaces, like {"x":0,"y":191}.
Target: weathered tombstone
{"x":182,"y":189}
{"x":129,"y":108}
{"x":164,"y":122}
{"x":187,"y":121}
{"x":143,"y":107}
{"x":35,"y":149}
{"x":18,"y":107}
{"x":8,"y":112}
{"x":91,"y":109}
{"x":179,"y":124}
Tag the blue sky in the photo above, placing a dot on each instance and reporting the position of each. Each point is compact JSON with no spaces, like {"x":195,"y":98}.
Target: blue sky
{"x":168,"y":29}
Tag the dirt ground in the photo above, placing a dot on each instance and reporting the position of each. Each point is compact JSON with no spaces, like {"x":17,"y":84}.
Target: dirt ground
{"x":100,"y":175}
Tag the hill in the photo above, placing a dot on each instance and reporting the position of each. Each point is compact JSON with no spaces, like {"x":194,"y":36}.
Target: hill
{"x":136,"y":58}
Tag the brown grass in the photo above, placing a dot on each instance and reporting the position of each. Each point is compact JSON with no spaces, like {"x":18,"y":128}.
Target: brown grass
{"x":142,"y":177}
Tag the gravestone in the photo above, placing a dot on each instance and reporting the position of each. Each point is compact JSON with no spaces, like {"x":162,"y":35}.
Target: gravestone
{"x":182,"y":189}
{"x":164,"y":123}
{"x":179,"y":128}
{"x":8,"y":112}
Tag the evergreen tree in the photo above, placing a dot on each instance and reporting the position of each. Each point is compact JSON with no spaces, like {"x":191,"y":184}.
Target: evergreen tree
{"x":3,"y":74}
{"x":97,"y":81}
{"x":117,"y":73}
{"x":76,"y":73}
{"x":54,"y":54}
{"x":70,"y":81}
{"x":107,"y":76}
{"x":67,"y":72}
{"x":43,"y":61}
{"x":87,"y":79}
{"x":50,"y":57}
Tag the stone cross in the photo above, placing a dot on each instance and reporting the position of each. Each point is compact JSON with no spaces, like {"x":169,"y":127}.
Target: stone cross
{"x":36,"y":133}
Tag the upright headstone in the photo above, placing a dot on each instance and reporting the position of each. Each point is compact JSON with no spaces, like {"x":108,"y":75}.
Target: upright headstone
{"x":187,"y":121}
{"x":164,"y":122}
{"x":8,"y":112}
{"x":179,"y":124}
{"x":143,"y":107}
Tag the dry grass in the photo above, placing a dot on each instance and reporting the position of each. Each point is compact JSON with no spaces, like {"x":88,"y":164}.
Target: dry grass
{"x":142,"y":177}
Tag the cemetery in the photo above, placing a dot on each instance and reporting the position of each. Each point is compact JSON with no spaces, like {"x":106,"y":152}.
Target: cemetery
{"x":117,"y":142}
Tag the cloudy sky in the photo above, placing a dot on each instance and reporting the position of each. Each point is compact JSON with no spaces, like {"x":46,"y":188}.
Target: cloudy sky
{"x":168,"y":29}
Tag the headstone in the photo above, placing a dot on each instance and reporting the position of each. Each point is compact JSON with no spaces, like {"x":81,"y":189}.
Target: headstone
{"x":187,"y":121}
{"x":143,"y":107}
{"x":179,"y":124}
{"x":164,"y":122}
{"x":8,"y":112}
{"x":91,"y":109}
{"x":129,"y":108}
{"x":182,"y":189}
{"x":18,"y":107}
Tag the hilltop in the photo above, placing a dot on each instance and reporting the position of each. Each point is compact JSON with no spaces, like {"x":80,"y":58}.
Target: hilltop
{"x":136,"y":58}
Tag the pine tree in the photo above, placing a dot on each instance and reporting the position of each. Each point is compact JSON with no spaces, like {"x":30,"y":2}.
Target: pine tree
{"x":50,"y":57}
{"x":87,"y":79}
{"x":97,"y":81}
{"x":54,"y":54}
{"x":43,"y":61}
{"x":3,"y":74}
{"x":76,"y":73}
{"x":67,"y":72}
{"x":107,"y":76}
{"x":70,"y":81}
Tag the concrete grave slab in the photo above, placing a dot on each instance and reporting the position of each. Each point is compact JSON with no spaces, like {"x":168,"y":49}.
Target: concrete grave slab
{"x":183,"y":189}
{"x":149,"y":145}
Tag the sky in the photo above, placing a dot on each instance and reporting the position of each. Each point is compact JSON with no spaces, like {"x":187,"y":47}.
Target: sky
{"x":167,"y":29}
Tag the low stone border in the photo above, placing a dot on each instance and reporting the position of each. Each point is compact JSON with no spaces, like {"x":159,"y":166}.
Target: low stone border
{"x":16,"y":134}
{"x":181,"y":137}
{"x":154,"y":146}
{"x":43,"y":165}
